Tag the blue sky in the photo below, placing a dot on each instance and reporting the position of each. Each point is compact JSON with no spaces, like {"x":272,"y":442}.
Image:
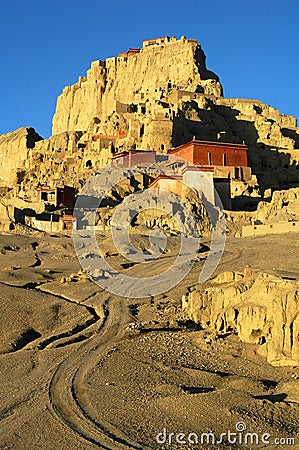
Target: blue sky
{"x":47,"y":44}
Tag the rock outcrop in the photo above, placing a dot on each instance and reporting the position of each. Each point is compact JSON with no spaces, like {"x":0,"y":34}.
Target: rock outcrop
{"x":261,"y":311}
{"x":6,"y":219}
{"x":14,"y":151}
{"x":133,"y":89}
{"x":282,"y":208}
{"x":156,"y":97}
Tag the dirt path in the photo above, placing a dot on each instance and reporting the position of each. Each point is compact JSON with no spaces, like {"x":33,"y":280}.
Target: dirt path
{"x":66,"y":390}
{"x":45,"y":387}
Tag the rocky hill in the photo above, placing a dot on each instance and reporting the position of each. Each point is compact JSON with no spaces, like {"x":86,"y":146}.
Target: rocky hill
{"x":122,"y":93}
{"x":156,"y":97}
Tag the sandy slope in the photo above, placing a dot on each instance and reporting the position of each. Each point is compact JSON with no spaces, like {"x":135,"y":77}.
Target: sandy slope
{"x":72,"y":376}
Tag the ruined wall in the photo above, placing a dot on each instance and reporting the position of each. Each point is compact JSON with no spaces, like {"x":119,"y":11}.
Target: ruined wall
{"x":277,"y":214}
{"x":275,"y":228}
{"x":272,"y":139}
{"x":6,"y":217}
{"x":284,"y":206}
{"x":142,"y":79}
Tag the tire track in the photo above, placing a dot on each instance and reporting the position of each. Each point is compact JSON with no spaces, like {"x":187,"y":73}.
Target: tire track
{"x":73,"y":334}
{"x":67,"y":398}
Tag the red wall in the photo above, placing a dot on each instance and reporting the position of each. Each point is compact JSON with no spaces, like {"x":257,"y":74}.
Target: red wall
{"x":198,"y":153}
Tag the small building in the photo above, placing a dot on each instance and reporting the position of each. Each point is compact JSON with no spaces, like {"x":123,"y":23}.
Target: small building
{"x":131,"y":158}
{"x":229,"y":160}
{"x":50,"y":222}
{"x":46,"y":194}
{"x":156,"y":41}
{"x":169,"y":183}
{"x":68,"y":222}
{"x":130,"y":52}
{"x":201,"y":180}
{"x":260,"y":229}
{"x":60,"y":196}
{"x":45,"y":222}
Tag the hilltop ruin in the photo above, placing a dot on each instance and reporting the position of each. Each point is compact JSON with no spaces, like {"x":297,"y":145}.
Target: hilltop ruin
{"x":156,"y":98}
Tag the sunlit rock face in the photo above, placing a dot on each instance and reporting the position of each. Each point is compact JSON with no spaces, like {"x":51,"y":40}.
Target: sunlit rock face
{"x":14,"y":151}
{"x":262,"y":311}
{"x":153,"y":98}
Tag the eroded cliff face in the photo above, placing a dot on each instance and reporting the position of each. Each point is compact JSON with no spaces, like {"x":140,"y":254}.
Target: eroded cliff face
{"x":262,"y":311}
{"x":164,"y":96}
{"x":154,"y":98}
{"x":14,"y":151}
{"x":137,"y":83}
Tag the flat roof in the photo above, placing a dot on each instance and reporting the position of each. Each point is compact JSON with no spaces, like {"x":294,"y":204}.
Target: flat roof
{"x":67,"y":217}
{"x":126,"y":152}
{"x":165,"y":177}
{"x":207,"y":143}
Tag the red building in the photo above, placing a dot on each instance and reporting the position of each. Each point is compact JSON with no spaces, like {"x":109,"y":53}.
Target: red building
{"x":204,"y":153}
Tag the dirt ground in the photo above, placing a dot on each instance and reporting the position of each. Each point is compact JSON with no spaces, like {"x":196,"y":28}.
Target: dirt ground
{"x":75,"y":374}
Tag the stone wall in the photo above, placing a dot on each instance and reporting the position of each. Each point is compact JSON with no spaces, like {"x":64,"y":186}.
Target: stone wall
{"x":274,"y":228}
{"x":144,"y":79}
{"x":279,"y":214}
